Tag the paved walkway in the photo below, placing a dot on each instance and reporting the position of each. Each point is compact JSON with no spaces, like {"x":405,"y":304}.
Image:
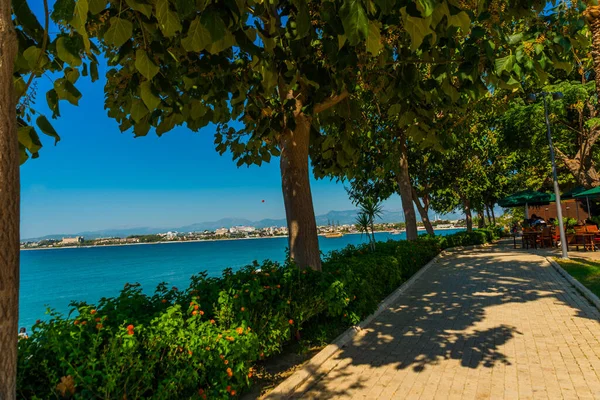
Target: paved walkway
{"x":492,"y":323}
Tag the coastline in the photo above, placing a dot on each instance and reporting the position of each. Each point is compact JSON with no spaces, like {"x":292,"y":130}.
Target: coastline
{"x":201,"y":240}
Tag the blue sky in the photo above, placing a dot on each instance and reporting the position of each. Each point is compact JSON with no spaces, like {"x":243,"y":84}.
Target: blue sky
{"x":98,"y":178}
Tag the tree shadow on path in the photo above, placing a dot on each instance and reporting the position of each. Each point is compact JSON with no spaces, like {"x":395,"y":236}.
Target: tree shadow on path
{"x":445,"y":315}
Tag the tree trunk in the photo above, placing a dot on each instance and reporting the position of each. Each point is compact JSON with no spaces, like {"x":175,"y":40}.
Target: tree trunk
{"x":585,"y":173}
{"x":493,"y":214}
{"x":9,"y":208}
{"x":487,"y":210}
{"x":295,"y":183}
{"x":405,"y":191}
{"x":480,"y":219}
{"x":423,"y":212}
{"x":468,"y":216}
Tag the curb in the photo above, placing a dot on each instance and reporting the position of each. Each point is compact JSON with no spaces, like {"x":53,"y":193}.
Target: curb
{"x":591,"y":297}
{"x":289,"y":386}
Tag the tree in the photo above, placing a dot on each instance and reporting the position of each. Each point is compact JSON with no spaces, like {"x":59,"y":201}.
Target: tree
{"x":27,"y":52}
{"x":368,"y":197}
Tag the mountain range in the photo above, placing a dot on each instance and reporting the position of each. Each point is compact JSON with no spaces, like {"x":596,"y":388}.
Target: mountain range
{"x":337,"y":217}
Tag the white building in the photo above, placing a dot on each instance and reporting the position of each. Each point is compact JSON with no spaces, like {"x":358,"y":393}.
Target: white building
{"x":221,"y":231}
{"x":73,"y":240}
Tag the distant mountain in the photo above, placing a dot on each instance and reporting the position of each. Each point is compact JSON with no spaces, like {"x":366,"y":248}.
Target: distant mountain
{"x":333,"y":217}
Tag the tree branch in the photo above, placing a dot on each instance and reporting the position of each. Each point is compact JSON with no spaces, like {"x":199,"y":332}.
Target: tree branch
{"x":330,"y":102}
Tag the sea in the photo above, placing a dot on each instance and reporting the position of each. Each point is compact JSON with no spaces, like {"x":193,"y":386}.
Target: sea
{"x":52,"y":278}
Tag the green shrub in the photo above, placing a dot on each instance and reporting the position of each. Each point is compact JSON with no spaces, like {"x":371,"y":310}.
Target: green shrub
{"x":202,"y":341}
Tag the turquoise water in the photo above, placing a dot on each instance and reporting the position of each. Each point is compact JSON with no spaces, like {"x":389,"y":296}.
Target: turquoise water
{"x":55,"y":277}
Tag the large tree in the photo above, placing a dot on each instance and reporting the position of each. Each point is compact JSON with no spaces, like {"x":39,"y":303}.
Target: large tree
{"x":27,"y":52}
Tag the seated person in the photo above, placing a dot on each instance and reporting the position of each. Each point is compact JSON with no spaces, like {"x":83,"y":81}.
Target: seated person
{"x":537,"y":220}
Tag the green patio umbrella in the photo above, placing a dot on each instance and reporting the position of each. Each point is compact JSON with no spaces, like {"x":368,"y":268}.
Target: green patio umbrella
{"x":525,"y":198}
{"x":593,"y":192}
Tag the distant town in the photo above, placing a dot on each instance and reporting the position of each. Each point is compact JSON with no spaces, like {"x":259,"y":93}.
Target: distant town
{"x":333,"y":229}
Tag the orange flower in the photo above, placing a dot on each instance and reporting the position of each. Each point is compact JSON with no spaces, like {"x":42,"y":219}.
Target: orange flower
{"x":194,"y":312}
{"x":39,"y":321}
{"x":190,"y":352}
{"x":226,"y":362}
{"x":267,"y":287}
{"x":249,"y":329}
{"x":191,"y":303}
{"x":222,"y":356}
{"x":83,"y":322}
{"x":196,"y":307}
{"x":262,"y":355}
{"x":212,"y":321}
{"x":247,"y":290}
{"x":98,"y":326}
{"x":163,"y":301}
{"x":228,"y":388}
{"x":291,"y":321}
{"x":93,"y":312}
{"x":229,"y":372}
{"x":200,"y":392}
{"x":201,"y":312}
{"x":207,"y":348}
{"x":98,"y":319}
{"x":233,"y":392}
{"x":130,"y":329}
{"x":250,"y":374}
{"x":76,"y":322}
{"x":240,"y":330}
{"x":243,"y":309}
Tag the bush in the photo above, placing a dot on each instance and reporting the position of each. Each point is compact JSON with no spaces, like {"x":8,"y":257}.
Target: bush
{"x":203,"y":341}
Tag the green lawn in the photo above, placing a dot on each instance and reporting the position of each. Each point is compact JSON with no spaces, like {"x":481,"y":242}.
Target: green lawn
{"x":585,"y":271}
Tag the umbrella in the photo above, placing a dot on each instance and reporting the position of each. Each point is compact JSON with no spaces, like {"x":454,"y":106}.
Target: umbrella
{"x":525,"y":198}
{"x":593,"y":192}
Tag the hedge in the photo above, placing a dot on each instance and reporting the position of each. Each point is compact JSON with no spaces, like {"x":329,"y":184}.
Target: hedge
{"x":203,"y":341}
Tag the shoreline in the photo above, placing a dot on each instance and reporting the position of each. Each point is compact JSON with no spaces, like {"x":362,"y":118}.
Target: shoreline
{"x":205,"y":240}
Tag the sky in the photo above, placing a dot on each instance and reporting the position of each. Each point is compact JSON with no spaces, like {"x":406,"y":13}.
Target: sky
{"x":99,"y":178}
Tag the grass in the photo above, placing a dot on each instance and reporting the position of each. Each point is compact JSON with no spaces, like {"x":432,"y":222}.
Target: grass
{"x":585,"y":271}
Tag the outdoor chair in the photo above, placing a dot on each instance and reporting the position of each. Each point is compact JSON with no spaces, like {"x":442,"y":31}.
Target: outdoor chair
{"x":547,"y":239}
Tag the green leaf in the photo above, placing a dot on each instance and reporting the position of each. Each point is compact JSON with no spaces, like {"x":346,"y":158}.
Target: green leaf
{"x":97,"y":6}
{"x":426,"y":7}
{"x":72,"y":74}
{"x":460,"y":20}
{"x":63,"y":50}
{"x":214,"y":24}
{"x":198,"y":37}
{"x":185,"y":7}
{"x":47,"y":128}
{"x":504,"y":64}
{"x":168,"y":21}
{"x":94,"y":71}
{"x":374,"y":44}
{"x":149,"y":99}
{"x":52,"y":100}
{"x":138,"y":110}
{"x":354,"y":20}
{"x":29,"y":138}
{"x":120,"y":31}
{"x":416,"y":27}
{"x":302,"y":18}
{"x":386,"y":5}
{"x":144,"y":65}
{"x":145,"y":9}
{"x":67,"y":91}
{"x":341,"y":41}
{"x":198,"y":110}
{"x":27,"y":20}
{"x":226,"y":42}
{"x":79,"y":20}
{"x":394,"y":109}
{"x":32,"y":55}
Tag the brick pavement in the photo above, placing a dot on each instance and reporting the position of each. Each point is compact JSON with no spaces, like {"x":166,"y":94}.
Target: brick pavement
{"x":482,"y":324}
